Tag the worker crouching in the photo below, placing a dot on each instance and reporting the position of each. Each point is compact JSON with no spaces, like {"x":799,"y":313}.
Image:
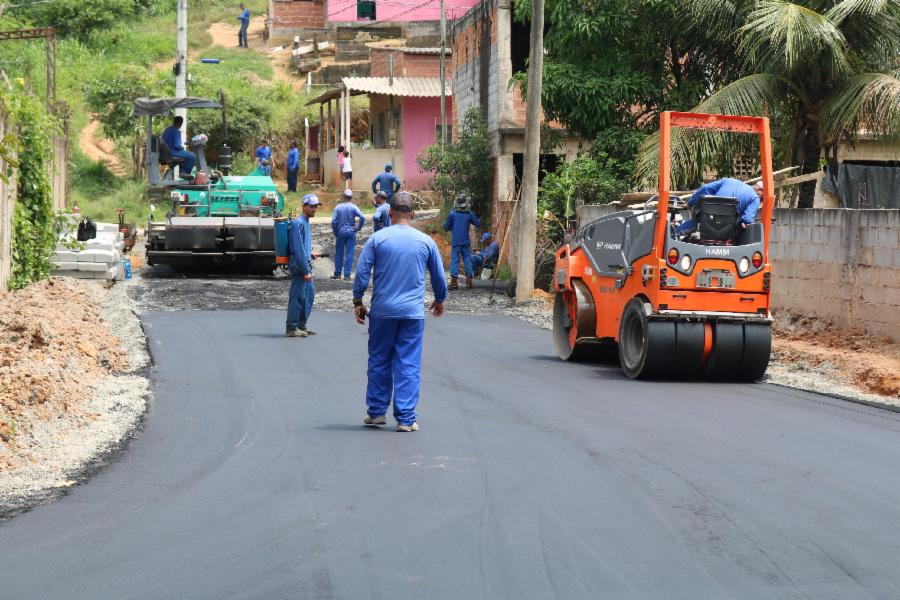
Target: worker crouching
{"x":398,"y":256}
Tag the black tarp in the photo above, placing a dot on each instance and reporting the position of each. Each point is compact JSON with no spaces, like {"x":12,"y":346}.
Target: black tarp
{"x":861,"y":185}
{"x":160,"y":106}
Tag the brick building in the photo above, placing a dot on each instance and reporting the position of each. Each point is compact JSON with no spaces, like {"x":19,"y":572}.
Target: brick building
{"x":488,"y":47}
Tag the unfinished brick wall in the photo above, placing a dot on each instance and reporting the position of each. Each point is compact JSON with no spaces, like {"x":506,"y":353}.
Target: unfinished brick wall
{"x":841,"y":264}
{"x":292,"y":15}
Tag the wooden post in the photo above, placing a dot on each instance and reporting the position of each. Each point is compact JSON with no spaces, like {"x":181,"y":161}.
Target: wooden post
{"x":532,"y":159}
{"x":7,"y":205}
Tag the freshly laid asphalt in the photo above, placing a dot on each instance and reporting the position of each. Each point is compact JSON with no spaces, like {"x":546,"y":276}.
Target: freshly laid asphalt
{"x":530,"y":478}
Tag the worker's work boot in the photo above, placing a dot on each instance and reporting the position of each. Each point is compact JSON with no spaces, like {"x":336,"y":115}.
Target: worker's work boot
{"x":307,"y":331}
{"x":295,"y":333}
{"x":369,"y":420}
{"x":410,"y":427}
{"x":468,"y":283}
{"x":454,"y":283}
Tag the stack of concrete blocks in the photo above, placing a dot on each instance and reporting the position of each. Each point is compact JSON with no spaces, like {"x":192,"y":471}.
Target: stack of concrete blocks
{"x":99,"y":259}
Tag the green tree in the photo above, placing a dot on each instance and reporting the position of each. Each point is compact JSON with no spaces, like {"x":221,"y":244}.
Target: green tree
{"x":822,"y":70}
{"x":109,"y":94}
{"x":79,"y":17}
{"x":464,"y":166}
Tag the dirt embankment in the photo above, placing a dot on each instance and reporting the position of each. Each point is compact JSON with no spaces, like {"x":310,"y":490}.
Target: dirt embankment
{"x":99,"y":149}
{"x":815,"y":348}
{"x":70,"y":351}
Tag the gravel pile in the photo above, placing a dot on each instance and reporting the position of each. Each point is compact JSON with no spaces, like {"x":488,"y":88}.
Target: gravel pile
{"x":73,"y":385}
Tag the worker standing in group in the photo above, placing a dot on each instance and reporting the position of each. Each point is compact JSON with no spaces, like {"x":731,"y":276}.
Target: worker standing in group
{"x":292,"y":165}
{"x":244,"y":18}
{"x":303,"y":291}
{"x":458,"y":222}
{"x":387,"y":181}
{"x":489,"y":255}
{"x":399,"y":256}
{"x":346,"y":220}
{"x":172,"y":137}
{"x":382,"y":216}
{"x":749,"y":199}
{"x":264,"y":158}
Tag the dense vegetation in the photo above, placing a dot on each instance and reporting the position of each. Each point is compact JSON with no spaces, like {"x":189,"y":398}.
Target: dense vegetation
{"x":112,"y":51}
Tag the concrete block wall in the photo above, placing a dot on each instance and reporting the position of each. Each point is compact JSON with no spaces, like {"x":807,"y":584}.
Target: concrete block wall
{"x":840,"y":264}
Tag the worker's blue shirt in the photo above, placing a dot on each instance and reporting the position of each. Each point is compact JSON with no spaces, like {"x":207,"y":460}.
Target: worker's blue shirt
{"x":293,"y":158}
{"x":388,"y":182}
{"x":458,"y":223}
{"x":399,"y":256}
{"x":263,"y":152}
{"x":172,"y":137}
{"x":382,"y":217}
{"x":492,"y":252}
{"x":344,"y":218}
{"x":301,"y":246}
{"x":748,"y":201}
{"x":245,"y":17}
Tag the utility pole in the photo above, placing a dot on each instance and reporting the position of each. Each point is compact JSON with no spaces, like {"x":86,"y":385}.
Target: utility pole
{"x":443,"y":77}
{"x":181,"y":64}
{"x":532,"y":158}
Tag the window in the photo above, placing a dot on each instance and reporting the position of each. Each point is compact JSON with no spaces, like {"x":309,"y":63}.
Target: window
{"x":365,"y":9}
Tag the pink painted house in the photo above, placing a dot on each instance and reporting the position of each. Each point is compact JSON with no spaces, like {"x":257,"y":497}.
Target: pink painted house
{"x":396,"y":11}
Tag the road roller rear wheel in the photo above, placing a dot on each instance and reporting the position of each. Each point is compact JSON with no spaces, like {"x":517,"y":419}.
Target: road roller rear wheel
{"x":646,"y":348}
{"x":574,"y":323}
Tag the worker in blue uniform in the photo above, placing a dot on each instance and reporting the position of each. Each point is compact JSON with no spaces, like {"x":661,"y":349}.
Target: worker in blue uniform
{"x":749,"y":199}
{"x":244,"y":18}
{"x":489,"y":255}
{"x":458,"y":222}
{"x":382,"y":216}
{"x":346,"y":220}
{"x":172,"y":137}
{"x":387,"y":181}
{"x":303,"y":290}
{"x":264,"y":158}
{"x":399,"y":256}
{"x":292,"y":165}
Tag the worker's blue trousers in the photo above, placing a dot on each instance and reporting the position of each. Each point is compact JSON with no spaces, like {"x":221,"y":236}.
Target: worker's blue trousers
{"x":345,"y":247}
{"x":242,"y":34}
{"x":463,"y":251}
{"x":395,"y":362}
{"x":300,"y":302}
{"x":187,"y":167}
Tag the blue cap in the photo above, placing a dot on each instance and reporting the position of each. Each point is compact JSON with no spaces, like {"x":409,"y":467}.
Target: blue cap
{"x":311,"y":200}
{"x":486,"y":237}
{"x":388,"y":167}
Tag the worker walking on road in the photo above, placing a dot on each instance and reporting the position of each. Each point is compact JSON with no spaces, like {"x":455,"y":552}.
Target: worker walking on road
{"x":458,"y":222}
{"x":387,"y":181}
{"x":346,"y":220}
{"x":303,"y":291}
{"x":399,"y":256}
{"x":292,"y":165}
{"x":244,"y":18}
{"x":172,"y":137}
{"x":382,"y":216}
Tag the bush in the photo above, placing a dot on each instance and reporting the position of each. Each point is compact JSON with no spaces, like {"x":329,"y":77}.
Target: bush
{"x":464,"y":166}
{"x":585,"y":180}
{"x":79,"y":18}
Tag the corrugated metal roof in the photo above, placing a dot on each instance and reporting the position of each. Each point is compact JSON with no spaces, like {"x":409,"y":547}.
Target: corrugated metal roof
{"x":418,"y":87}
{"x":436,"y":51}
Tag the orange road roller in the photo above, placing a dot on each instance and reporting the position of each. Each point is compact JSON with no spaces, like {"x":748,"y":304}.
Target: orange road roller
{"x":675,"y":307}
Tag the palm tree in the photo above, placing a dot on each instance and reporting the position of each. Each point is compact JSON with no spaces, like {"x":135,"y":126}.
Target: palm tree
{"x":824,"y":71}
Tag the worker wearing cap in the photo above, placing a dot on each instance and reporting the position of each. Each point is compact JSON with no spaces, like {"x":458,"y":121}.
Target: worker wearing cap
{"x":382,"y":216}
{"x":399,"y":256}
{"x":488,"y":257}
{"x":387,"y":181}
{"x":458,"y":222}
{"x":303,"y":291}
{"x":749,"y":199}
{"x":346,"y":220}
